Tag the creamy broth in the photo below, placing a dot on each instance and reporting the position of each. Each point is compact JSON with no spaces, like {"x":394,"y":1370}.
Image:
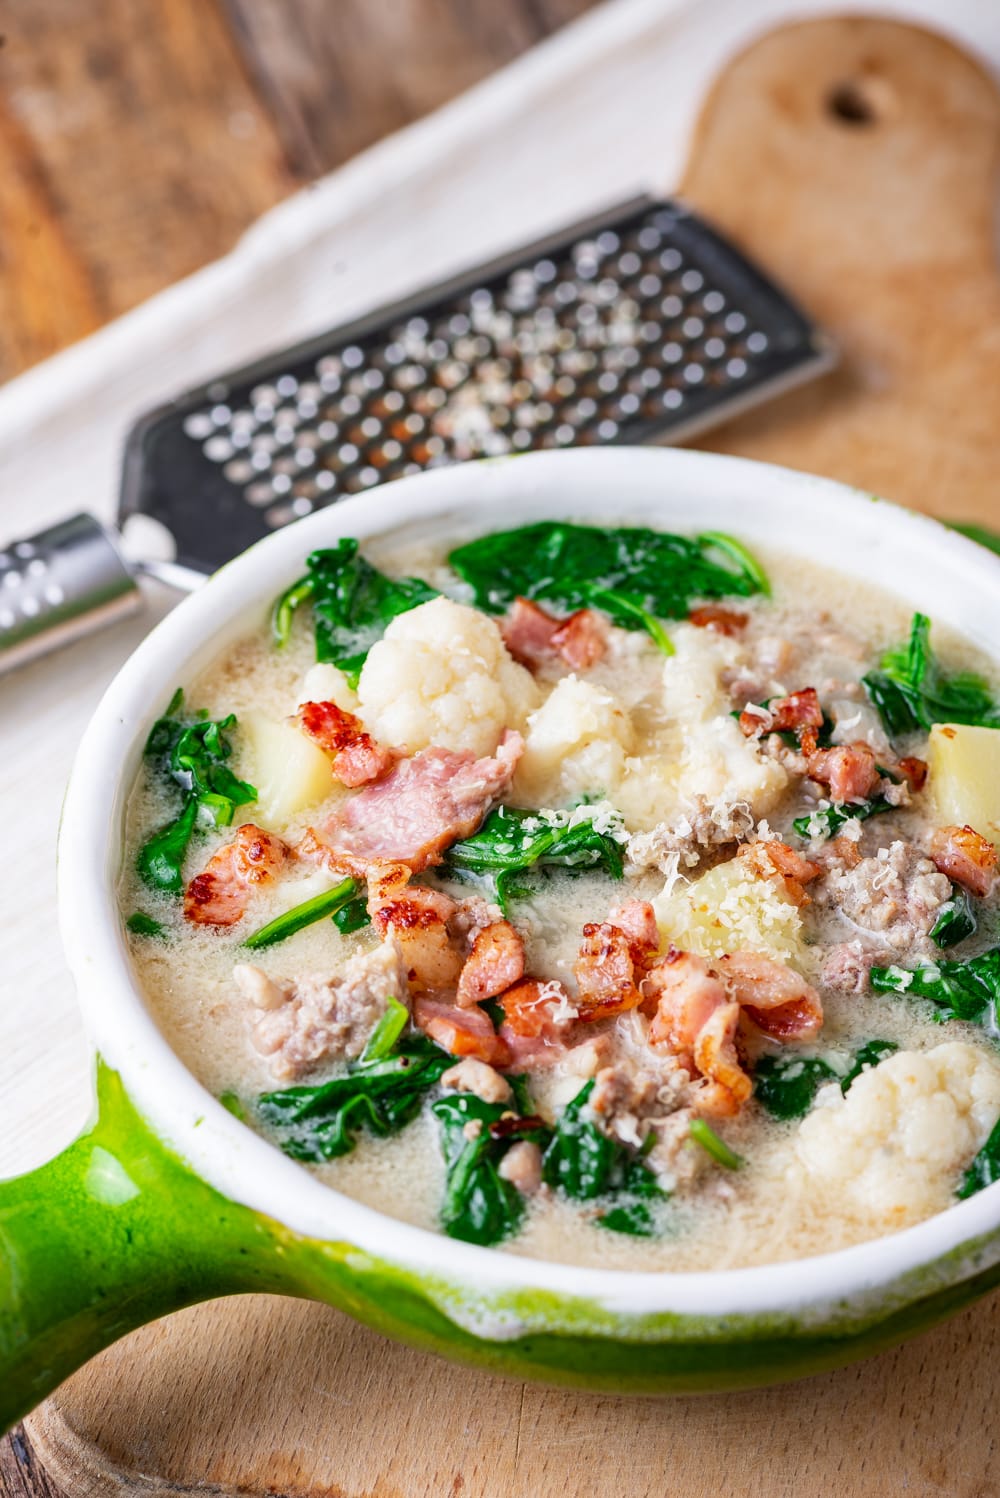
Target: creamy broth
{"x":673,"y":720}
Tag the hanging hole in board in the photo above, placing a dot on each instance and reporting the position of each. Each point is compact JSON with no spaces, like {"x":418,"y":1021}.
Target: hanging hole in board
{"x":860,"y":102}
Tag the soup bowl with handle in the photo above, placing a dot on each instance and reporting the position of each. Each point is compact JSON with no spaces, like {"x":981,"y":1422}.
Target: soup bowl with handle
{"x":166,"y":1198}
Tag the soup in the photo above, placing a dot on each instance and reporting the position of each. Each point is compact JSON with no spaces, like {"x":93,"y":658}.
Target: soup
{"x":604,"y":895}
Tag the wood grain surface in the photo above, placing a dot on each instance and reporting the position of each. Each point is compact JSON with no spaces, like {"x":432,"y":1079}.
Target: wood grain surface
{"x":858,"y":159}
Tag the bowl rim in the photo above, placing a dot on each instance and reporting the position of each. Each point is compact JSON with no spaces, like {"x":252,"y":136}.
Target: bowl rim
{"x":244,"y":1166}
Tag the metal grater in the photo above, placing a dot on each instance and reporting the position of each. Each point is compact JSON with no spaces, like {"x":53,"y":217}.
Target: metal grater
{"x":638,"y":324}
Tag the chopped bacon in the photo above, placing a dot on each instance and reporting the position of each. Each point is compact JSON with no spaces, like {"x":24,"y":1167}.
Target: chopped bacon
{"x":418,"y":917}
{"x":776,"y":860}
{"x":356,"y":757}
{"x":533,"y":636}
{"x":637,"y":919}
{"x":581,"y":640}
{"x":915,"y":771}
{"x":421,"y":807}
{"x":797,"y":712}
{"x":723,"y":621}
{"x":537,"y":1008}
{"x":697,"y":1021}
{"x":219,"y":895}
{"x":495,"y":962}
{"x":845,"y":851}
{"x":605,"y":972}
{"x":849,"y":770}
{"x":778,"y":1000}
{"x":966,"y":857}
{"x":461,"y":1032}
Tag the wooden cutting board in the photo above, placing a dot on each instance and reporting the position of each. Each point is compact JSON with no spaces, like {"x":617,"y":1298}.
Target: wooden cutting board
{"x":857,"y":159}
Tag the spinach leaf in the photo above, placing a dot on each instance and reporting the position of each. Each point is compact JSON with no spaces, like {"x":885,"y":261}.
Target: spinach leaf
{"x":828,"y":822}
{"x":352,"y":602}
{"x":636,"y":576}
{"x":968,"y":990}
{"x":585,"y":1164}
{"x":314,"y":909}
{"x":716,"y":1147}
{"x":479,"y":1206}
{"x":383,"y":1039}
{"x":381,"y":1094}
{"x":352,"y":917}
{"x":141,"y":924}
{"x":956,"y":920}
{"x":912,"y":691}
{"x":192,"y":754}
{"x":985,"y":1168}
{"x":512,"y":841}
{"x":787,"y":1085}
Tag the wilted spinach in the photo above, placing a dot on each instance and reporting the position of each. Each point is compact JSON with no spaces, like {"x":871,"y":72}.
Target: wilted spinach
{"x":141,"y":924}
{"x":352,"y":917}
{"x":912,"y":691}
{"x":985,"y":1168}
{"x":786,"y":1085}
{"x":191,"y":752}
{"x":586,"y":1164}
{"x":634,"y":575}
{"x":352,"y":603}
{"x":968,"y":990}
{"x":479,"y":1206}
{"x":511,"y":841}
{"x":828,"y":822}
{"x":381,"y":1092}
{"x":956,"y":920}
{"x":329,"y":902}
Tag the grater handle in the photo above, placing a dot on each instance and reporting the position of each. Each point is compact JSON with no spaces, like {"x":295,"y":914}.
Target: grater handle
{"x":59,"y":585}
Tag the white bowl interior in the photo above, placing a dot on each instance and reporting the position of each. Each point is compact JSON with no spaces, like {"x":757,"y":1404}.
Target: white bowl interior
{"x":908,"y":554}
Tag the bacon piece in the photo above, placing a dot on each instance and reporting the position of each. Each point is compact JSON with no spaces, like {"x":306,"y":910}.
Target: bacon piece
{"x":605,"y":972}
{"x":461,"y":1032}
{"x":357,"y":758}
{"x":537,"y":1009}
{"x":418,"y":918}
{"x":534,"y":636}
{"x":776,"y":860}
{"x":581,"y":640}
{"x":966,"y":857}
{"x":638,"y":921}
{"x":778,"y":1000}
{"x":796,"y":712}
{"x":495,"y":962}
{"x":723,"y":621}
{"x":849,"y":770}
{"x":697,"y":1021}
{"x":915,"y":771}
{"x":220,"y":894}
{"x":421,"y":807}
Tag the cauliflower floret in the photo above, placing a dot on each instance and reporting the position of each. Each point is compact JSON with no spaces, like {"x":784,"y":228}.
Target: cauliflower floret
{"x":441,"y":675}
{"x":576,"y":743}
{"x":730,"y":910}
{"x":325,"y":682}
{"x":692,"y":686}
{"x":893,"y":1147}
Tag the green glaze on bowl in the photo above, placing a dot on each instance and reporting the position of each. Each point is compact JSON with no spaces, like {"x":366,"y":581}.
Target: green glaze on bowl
{"x":117,"y":1231}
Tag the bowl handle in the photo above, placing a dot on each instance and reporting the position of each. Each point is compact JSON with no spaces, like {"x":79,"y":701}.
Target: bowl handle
{"x":112,"y":1233}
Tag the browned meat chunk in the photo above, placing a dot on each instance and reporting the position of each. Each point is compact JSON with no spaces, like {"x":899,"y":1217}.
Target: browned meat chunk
{"x":849,"y":770}
{"x":462,"y":1032}
{"x":356,"y":757}
{"x":965,"y":856}
{"x":475,"y":1076}
{"x":313,"y":1018}
{"x":723,"y":621}
{"x":220,"y":894}
{"x":495,"y":962}
{"x":893,"y":897}
{"x":605,"y":972}
{"x":534,"y":636}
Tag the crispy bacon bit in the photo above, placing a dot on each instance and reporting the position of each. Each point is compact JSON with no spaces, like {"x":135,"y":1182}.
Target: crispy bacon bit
{"x":422,"y":806}
{"x":535,"y":1008}
{"x":849,"y":770}
{"x":534,"y":636}
{"x":796,"y":713}
{"x":418,"y":918}
{"x":778,"y":1000}
{"x":845,"y":851}
{"x":696,"y":1021}
{"x":605,"y":972}
{"x":776,"y":860}
{"x":723,"y":621}
{"x":495,"y":962}
{"x":357,"y":758}
{"x":581,"y":640}
{"x":220,"y":894}
{"x":638,"y":921}
{"x":966,"y":857}
{"x":915,"y":771}
{"x":461,"y":1032}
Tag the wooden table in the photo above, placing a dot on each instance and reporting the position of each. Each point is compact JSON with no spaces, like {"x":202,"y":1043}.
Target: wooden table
{"x":139,"y":138}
